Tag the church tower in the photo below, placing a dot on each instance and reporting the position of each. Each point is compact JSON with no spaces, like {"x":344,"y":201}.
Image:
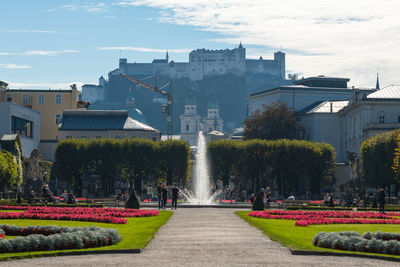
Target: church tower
{"x":190,"y":121}
{"x":212,"y":122}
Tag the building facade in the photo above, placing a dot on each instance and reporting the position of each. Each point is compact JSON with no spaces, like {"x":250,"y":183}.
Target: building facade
{"x":192,"y":123}
{"x":17,"y":119}
{"x":91,"y":124}
{"x":50,"y":104}
{"x":305,"y":92}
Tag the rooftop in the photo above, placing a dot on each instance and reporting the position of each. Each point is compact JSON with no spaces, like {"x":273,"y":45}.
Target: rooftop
{"x":9,"y":137}
{"x":101,"y":120}
{"x":388,"y":92}
{"x":328,"y":107}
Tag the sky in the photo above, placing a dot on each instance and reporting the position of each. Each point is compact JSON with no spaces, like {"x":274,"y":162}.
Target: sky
{"x":54,"y":43}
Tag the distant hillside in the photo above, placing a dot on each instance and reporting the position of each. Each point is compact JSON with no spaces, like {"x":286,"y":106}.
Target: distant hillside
{"x":231,"y":92}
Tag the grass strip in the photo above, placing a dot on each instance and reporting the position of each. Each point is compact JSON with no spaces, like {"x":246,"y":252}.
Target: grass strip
{"x":135,"y":235}
{"x":300,"y":238}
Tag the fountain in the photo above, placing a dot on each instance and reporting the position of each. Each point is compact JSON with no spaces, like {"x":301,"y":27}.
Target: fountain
{"x":202,"y":187}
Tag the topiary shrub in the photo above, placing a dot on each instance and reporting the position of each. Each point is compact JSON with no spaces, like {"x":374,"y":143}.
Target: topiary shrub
{"x":258,"y":203}
{"x":133,"y":201}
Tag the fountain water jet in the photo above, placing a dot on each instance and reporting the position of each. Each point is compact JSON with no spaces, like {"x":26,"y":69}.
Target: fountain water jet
{"x":202,"y":187}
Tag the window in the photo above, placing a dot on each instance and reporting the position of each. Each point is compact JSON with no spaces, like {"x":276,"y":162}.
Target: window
{"x":9,"y":98}
{"x":25,"y":99}
{"x":187,"y":127}
{"x":381,"y":119}
{"x":398,"y":119}
{"x":58,"y":119}
{"x":21,"y":126}
{"x":58,"y":99}
{"x":41,"y":99}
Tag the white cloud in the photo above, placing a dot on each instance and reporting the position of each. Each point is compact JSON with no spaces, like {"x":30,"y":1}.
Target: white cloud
{"x":55,"y":86}
{"x":346,"y":38}
{"x":39,"y":53}
{"x":27,"y":31}
{"x":14,"y":66}
{"x":89,"y":7}
{"x":145,"y":49}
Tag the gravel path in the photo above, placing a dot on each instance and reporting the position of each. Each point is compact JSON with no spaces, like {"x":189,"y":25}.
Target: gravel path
{"x":205,"y":237}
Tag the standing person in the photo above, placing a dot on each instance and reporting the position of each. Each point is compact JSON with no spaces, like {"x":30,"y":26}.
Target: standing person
{"x":149,"y":192}
{"x":164,"y":194}
{"x":159,"y":196}
{"x":175,"y":193}
{"x":381,"y":200}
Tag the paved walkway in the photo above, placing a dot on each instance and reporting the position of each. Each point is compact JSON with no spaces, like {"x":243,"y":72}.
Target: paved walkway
{"x":205,"y":237}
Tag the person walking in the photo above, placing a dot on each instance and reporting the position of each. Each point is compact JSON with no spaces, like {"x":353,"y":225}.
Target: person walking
{"x":159,"y":195}
{"x":175,"y":193}
{"x":381,"y":200}
{"x":164,"y":194}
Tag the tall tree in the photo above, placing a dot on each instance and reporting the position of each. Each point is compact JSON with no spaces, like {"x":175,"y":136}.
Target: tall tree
{"x":275,"y":121}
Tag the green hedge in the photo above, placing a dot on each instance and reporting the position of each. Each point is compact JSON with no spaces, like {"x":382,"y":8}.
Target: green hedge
{"x":290,"y":163}
{"x":8,"y":169}
{"x":134,"y":160}
{"x":377,"y":159}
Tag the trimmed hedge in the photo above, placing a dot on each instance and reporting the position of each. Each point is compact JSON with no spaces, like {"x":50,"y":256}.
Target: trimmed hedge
{"x":8,"y":169}
{"x":44,"y":238}
{"x":291,"y":164}
{"x":381,"y":243}
{"x":132,"y":159}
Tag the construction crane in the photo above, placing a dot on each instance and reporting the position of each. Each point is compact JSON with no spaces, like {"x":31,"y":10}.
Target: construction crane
{"x":165,"y":108}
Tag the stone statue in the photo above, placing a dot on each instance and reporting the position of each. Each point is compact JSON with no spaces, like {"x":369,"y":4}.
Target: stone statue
{"x":354,"y":164}
{"x":32,"y":169}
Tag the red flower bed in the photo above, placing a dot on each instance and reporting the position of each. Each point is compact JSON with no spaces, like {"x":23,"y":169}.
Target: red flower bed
{"x":305,"y":218}
{"x":104,"y":215}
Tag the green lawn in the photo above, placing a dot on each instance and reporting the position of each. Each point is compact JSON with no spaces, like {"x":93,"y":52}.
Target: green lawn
{"x":300,"y":238}
{"x":135,"y":234}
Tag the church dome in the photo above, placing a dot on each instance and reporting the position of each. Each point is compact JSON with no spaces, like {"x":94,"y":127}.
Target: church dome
{"x":213,"y":104}
{"x":190,"y":100}
{"x":137,"y":114}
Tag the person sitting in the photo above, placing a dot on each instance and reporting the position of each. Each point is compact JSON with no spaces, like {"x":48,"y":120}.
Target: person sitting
{"x":31,"y":197}
{"x":64,"y":196}
{"x":119,"y":196}
{"x":252,"y":198}
{"x":71,"y":198}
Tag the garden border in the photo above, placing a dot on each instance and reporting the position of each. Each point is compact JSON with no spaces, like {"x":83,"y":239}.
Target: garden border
{"x":74,"y":253}
{"x":299,"y":252}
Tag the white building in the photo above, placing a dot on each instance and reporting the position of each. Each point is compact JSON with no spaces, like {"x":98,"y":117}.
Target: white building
{"x":346,"y":124}
{"x":90,"y":124}
{"x":304,"y":93}
{"x":16,"y":119}
{"x":205,"y":62}
{"x":192,"y":123}
{"x":94,"y":93}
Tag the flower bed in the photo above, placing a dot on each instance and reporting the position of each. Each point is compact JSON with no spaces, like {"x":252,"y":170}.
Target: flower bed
{"x":43,"y":238}
{"x":104,"y":215}
{"x":382,"y":243}
{"x":305,"y":218}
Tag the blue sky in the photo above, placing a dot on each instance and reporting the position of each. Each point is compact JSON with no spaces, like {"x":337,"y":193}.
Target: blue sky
{"x":55,"y":43}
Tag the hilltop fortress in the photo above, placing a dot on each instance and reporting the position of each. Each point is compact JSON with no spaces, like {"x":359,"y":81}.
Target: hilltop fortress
{"x":205,"y":62}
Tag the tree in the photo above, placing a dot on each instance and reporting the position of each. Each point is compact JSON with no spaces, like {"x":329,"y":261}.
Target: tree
{"x":8,"y":169}
{"x":222,"y":154}
{"x":377,"y":159}
{"x":275,"y":121}
{"x":139,"y":159}
{"x":173,"y":161}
